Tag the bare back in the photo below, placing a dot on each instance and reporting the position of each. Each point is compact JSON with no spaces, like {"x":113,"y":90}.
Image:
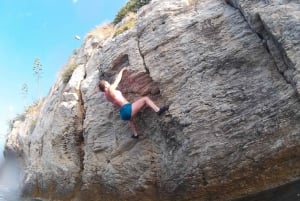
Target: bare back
{"x":116,"y":97}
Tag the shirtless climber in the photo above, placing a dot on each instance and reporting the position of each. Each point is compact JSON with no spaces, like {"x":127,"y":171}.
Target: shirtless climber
{"x":127,"y":110}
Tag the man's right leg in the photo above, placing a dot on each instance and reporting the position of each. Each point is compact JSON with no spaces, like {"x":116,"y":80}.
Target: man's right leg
{"x":139,"y":104}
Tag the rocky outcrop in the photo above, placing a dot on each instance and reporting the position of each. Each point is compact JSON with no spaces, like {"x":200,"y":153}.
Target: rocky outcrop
{"x":229,"y":71}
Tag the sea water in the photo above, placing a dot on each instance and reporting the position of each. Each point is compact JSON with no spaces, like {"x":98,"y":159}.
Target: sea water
{"x":9,"y":181}
{"x":10,"y":178}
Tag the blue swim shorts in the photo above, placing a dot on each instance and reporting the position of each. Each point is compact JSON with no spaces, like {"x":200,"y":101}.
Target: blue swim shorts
{"x":125,"y":111}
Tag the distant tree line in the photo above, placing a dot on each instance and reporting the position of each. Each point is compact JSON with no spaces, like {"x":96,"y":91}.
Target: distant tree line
{"x":131,"y":6}
{"x":37,"y":72}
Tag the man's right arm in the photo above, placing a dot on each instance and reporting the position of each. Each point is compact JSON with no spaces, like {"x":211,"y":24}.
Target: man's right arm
{"x":115,"y":84}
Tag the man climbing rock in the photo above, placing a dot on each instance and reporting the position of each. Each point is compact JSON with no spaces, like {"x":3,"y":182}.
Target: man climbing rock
{"x":127,"y":110}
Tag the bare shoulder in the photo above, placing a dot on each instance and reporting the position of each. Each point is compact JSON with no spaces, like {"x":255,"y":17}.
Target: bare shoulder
{"x":112,"y":92}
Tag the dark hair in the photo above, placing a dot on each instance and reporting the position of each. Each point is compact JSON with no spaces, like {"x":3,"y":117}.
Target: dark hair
{"x":101,"y":85}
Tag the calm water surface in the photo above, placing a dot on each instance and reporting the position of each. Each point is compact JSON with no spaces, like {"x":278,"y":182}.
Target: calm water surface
{"x":9,"y":181}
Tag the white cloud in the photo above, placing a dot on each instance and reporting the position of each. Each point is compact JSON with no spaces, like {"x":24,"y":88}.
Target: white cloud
{"x":74,"y":1}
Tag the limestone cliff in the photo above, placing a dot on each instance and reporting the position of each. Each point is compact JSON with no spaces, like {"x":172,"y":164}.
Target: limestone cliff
{"x":229,"y":71}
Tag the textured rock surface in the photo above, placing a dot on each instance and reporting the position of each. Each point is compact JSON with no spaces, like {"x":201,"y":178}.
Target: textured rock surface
{"x":229,"y":71}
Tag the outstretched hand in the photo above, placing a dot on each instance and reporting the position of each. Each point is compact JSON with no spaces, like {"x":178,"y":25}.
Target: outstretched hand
{"x":114,"y":85}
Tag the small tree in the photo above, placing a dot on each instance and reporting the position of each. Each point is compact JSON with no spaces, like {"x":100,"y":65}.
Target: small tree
{"x":140,"y":3}
{"x":24,"y":92}
{"x":131,"y":6}
{"x":37,"y":71}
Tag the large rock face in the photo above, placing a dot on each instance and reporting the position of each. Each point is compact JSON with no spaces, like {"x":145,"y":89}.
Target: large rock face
{"x":229,"y":71}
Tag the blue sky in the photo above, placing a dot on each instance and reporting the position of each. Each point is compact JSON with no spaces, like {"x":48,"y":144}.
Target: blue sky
{"x":43,"y":29}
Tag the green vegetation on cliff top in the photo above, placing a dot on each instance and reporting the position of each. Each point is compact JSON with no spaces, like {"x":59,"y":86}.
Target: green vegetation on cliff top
{"x":131,"y":6}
